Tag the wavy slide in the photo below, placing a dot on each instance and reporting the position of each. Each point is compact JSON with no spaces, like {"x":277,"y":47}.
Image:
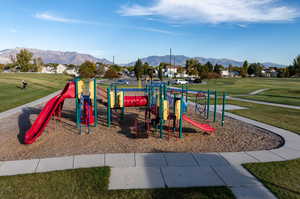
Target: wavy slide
{"x":48,"y":111}
{"x":203,"y":127}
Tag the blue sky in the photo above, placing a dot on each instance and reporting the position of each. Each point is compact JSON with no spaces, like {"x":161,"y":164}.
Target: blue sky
{"x":256,"y":30}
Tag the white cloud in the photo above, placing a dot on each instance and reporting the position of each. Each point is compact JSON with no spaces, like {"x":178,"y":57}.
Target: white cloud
{"x":51,"y":17}
{"x":215,"y":11}
{"x":148,"y":29}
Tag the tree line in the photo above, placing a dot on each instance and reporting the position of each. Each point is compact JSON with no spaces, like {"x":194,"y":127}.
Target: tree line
{"x":25,"y":61}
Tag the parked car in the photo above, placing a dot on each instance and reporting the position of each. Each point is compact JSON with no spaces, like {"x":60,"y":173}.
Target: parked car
{"x":197,"y":81}
{"x":190,"y":79}
{"x":181,"y":81}
{"x":122,"y":81}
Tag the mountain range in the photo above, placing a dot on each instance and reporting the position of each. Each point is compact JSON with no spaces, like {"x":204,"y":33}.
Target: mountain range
{"x":61,"y":57}
{"x":180,"y":60}
{"x":51,"y":56}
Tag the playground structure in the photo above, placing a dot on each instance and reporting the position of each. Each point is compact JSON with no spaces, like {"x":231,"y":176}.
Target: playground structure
{"x":165,"y":106}
{"x":85,"y":96}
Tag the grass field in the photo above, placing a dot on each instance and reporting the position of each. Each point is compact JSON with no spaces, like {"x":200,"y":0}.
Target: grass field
{"x":281,"y":117}
{"x":39,"y":85}
{"x":92,"y":183}
{"x":289,"y":96}
{"x":236,"y":86}
{"x":282,"y":178}
{"x":281,"y":90}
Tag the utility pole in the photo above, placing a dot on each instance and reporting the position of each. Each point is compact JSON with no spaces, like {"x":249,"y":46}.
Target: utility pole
{"x":113,"y":59}
{"x":170,"y":56}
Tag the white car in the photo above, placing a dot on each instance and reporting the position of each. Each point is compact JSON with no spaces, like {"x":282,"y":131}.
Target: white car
{"x":181,"y":81}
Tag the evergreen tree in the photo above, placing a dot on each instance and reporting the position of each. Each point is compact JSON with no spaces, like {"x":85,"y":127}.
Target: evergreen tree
{"x":138,"y":69}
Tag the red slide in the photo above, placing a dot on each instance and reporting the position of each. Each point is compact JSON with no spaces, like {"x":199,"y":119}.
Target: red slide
{"x":50,"y":108}
{"x":203,"y":127}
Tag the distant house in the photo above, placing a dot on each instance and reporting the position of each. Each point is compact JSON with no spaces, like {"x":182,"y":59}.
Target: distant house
{"x":226,"y":73}
{"x":170,"y":71}
{"x":60,"y":69}
{"x":270,"y":72}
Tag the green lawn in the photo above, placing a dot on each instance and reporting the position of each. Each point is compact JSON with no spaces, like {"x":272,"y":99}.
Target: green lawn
{"x":282,"y":178}
{"x":39,"y":85}
{"x":281,"y":117}
{"x":282,"y":90}
{"x":91,"y":183}
{"x":279,"y":95}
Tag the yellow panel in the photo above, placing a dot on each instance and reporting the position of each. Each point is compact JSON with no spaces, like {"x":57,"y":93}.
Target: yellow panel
{"x":91,"y":89}
{"x":80,"y":86}
{"x":177,"y":109}
{"x":112,"y":99}
{"x":166,"y":110}
{"x":157,"y":101}
{"x":120,"y":99}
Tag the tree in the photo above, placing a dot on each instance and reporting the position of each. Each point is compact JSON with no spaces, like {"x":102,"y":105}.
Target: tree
{"x":160,"y":73}
{"x":111,"y":73}
{"x":24,"y":60}
{"x":244,"y":69}
{"x":180,"y":70}
{"x":191,"y":66}
{"x":138,"y":69}
{"x":251,"y":69}
{"x":218,"y":68}
{"x":209,"y":66}
{"x":150,"y":73}
{"x":255,"y":69}
{"x":37,"y":64}
{"x":145,"y":68}
{"x":116,"y":68}
{"x":2,"y":66}
{"x":87,"y":69}
{"x":296,"y":64}
{"x":100,"y":69}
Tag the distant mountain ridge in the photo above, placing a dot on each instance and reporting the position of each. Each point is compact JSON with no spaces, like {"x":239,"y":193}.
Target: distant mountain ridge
{"x":61,"y":57}
{"x":51,"y":56}
{"x":181,"y":59}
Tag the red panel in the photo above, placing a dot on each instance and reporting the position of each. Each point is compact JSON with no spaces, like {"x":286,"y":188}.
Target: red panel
{"x":88,"y":117}
{"x":135,"y":101}
{"x":203,"y":127}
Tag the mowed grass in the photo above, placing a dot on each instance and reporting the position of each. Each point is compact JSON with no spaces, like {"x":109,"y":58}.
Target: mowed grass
{"x":282,"y":178}
{"x":39,"y":85}
{"x":281,"y":90}
{"x":290,"y":96}
{"x":91,"y":183}
{"x":280,"y":117}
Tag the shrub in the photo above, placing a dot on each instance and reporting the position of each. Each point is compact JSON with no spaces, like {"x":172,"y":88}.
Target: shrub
{"x":87,"y":69}
{"x":210,"y":75}
{"x":111,"y":73}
